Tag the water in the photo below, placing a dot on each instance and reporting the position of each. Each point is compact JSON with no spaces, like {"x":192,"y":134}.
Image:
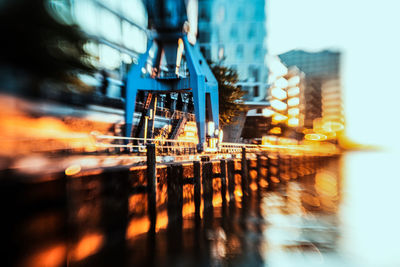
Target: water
{"x":344,"y":214}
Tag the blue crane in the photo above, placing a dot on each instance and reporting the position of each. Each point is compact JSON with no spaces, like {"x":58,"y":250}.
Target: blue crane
{"x":168,"y":21}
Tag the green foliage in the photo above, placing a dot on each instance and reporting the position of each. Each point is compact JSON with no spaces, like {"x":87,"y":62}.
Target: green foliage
{"x":230,"y":95}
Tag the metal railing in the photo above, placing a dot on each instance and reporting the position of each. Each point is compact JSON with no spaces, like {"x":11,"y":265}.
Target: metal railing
{"x":184,"y":147}
{"x":133,"y":144}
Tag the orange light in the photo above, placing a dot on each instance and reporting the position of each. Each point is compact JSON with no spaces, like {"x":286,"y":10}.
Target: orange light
{"x":87,"y":246}
{"x":275,"y":130}
{"x":315,"y":137}
{"x":73,"y":169}
{"x":326,"y":184}
{"x":53,"y":256}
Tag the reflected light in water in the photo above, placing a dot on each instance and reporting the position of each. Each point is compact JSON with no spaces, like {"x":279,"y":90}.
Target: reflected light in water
{"x":87,"y":246}
{"x":73,"y":169}
{"x":326,"y":184}
{"x":54,"y":256}
{"x":138,"y":226}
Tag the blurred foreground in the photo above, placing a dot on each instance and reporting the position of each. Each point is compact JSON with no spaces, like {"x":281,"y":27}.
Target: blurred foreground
{"x":341,"y":215}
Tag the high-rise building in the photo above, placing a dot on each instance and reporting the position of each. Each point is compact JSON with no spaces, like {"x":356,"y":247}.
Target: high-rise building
{"x":323,"y":103}
{"x":235,"y":32}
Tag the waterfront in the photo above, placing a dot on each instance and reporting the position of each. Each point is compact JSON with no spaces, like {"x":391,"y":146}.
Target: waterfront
{"x":340,"y":214}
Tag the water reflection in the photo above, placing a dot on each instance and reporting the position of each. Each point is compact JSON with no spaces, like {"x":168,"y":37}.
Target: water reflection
{"x":334,"y":214}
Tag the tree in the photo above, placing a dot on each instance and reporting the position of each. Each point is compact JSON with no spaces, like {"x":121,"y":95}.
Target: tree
{"x":230,"y":95}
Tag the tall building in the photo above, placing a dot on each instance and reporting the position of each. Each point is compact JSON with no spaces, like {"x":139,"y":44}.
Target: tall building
{"x":323,"y":102}
{"x":234,"y":31}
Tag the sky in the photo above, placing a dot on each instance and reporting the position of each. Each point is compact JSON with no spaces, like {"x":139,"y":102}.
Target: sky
{"x":368,"y":35}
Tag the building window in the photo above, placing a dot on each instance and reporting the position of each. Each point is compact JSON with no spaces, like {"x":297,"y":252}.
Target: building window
{"x":257,"y":52}
{"x":239,"y":52}
{"x":254,"y":73}
{"x":204,"y":13}
{"x":221,"y":14}
{"x":239,"y":14}
{"x":204,"y":37}
{"x":251,"y":32}
{"x":234,"y":32}
{"x":256,"y":91}
{"x":259,"y":13}
{"x":259,"y":110}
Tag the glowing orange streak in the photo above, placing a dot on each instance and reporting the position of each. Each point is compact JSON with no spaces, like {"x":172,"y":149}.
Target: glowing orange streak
{"x":53,"y":256}
{"x":88,"y":245}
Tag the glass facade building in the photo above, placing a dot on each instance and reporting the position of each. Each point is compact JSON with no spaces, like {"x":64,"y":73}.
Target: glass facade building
{"x":323,"y":102}
{"x":234,"y":33}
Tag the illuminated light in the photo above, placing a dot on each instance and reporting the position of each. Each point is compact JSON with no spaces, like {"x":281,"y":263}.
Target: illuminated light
{"x":179,"y":55}
{"x":332,"y":126}
{"x":87,"y":246}
{"x":266,"y":112}
{"x":293,"y":111}
{"x":292,"y":122}
{"x":293,"y":91}
{"x":281,"y":82}
{"x":253,"y":186}
{"x":54,"y":256}
{"x":330,"y":135}
{"x":217,"y":201}
{"x":238,"y":193}
{"x":315,"y":137}
{"x":272,"y":78}
{"x":326,"y":184}
{"x":275,"y":180}
{"x":221,"y":136}
{"x":278,"y":117}
{"x":276,"y":67}
{"x":210,"y":128}
{"x":293,"y":81}
{"x":275,"y":130}
{"x":278,"y":93}
{"x":278,"y":105}
{"x":263,"y":183}
{"x":137,"y":226}
{"x":311,"y":200}
{"x":293,"y":102}
{"x":73,"y":169}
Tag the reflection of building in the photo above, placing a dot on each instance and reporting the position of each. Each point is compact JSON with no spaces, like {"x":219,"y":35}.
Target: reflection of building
{"x":235,"y":31}
{"x":323,"y":90}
